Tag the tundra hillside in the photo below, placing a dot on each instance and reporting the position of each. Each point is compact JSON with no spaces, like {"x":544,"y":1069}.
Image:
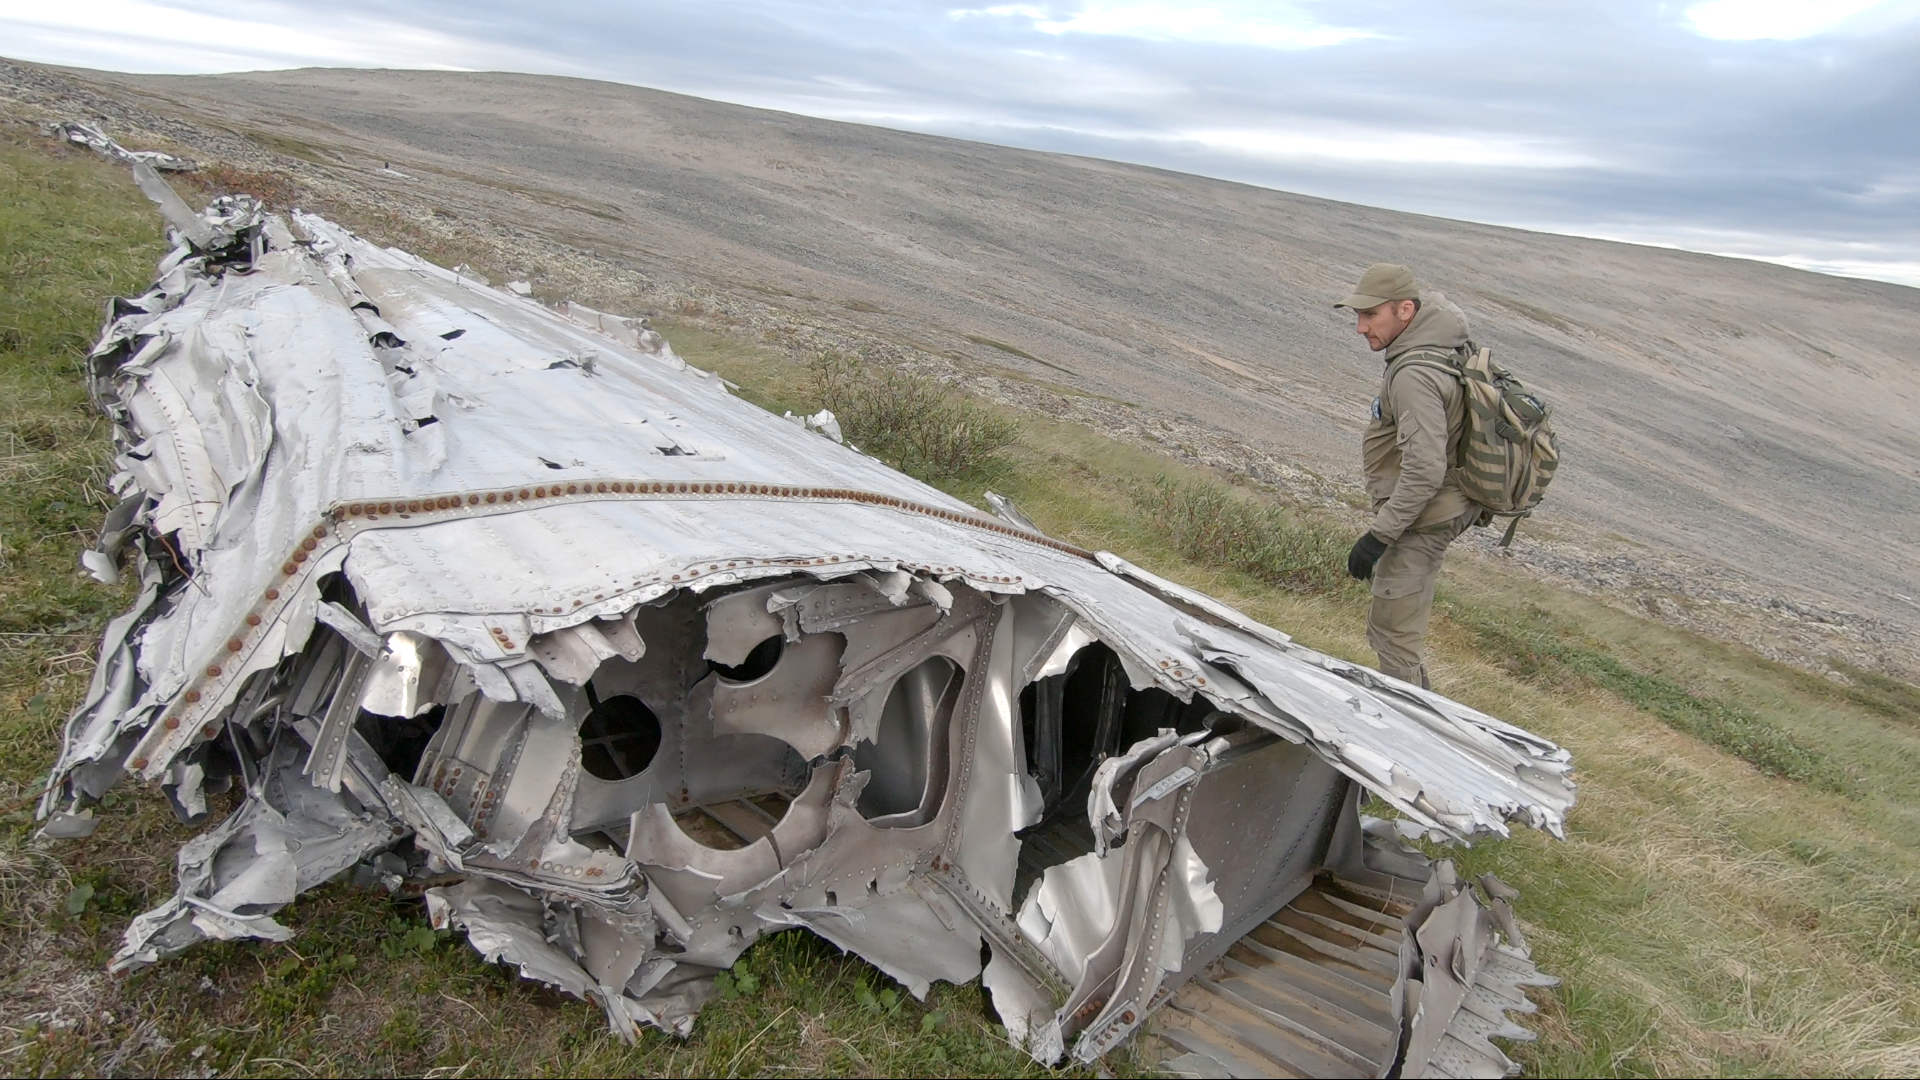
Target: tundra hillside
{"x":1735,"y":896}
{"x":1740,"y":448}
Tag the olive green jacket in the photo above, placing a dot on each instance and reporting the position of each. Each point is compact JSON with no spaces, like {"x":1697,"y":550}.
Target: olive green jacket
{"x":1417,"y":421}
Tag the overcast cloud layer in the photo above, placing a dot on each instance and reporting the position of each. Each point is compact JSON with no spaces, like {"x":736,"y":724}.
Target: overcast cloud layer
{"x":1786,"y":130}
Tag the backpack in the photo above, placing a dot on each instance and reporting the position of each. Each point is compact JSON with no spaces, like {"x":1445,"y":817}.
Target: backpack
{"x":1507,"y":453}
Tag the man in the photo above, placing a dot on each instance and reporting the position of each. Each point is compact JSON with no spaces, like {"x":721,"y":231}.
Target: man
{"x":1407,"y":455}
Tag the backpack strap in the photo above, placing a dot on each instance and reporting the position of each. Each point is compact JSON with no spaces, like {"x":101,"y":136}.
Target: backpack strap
{"x":1452,"y":363}
{"x":1513,"y":525}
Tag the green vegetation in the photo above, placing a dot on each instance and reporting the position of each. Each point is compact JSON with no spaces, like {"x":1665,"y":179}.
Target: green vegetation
{"x":72,"y":234}
{"x":1891,"y":698}
{"x":1735,"y":893}
{"x":1003,"y":347}
{"x":1533,"y":650}
{"x":1209,"y":522}
{"x":911,"y":421}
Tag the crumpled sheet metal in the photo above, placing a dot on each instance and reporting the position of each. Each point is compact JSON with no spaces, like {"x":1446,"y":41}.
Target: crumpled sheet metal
{"x":94,"y":139}
{"x":627,"y":672}
{"x":1412,"y":983}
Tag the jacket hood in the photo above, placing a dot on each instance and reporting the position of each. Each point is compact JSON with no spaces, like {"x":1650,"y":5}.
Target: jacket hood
{"x":1440,"y":324}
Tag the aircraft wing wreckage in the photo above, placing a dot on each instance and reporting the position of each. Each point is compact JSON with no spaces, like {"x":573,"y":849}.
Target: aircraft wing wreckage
{"x":461,"y":594}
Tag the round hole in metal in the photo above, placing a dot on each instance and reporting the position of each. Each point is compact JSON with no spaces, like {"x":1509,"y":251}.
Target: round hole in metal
{"x":619,"y":738}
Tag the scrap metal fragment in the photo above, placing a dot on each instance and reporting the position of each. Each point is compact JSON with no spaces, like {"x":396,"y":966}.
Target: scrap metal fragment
{"x":98,"y":141}
{"x":448,"y":583}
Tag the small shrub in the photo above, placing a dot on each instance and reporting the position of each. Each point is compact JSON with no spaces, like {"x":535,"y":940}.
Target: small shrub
{"x":276,"y":189}
{"x":915,"y":423}
{"x":1208,"y":523}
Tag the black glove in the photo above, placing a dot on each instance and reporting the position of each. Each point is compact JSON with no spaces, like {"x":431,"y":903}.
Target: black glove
{"x":1366,"y":551}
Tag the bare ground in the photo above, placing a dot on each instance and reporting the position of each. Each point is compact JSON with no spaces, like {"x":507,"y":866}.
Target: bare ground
{"x":1742,"y":440}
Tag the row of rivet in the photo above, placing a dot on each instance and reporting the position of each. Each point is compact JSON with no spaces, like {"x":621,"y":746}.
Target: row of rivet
{"x":368,"y":512}
{"x":255,"y":622}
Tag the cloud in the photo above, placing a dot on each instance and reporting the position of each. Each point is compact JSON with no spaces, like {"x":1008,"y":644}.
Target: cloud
{"x":1777,"y":129}
{"x":1780,"y":20}
{"x":1263,"y":25}
{"x":141,"y":35}
{"x":1374,"y":144}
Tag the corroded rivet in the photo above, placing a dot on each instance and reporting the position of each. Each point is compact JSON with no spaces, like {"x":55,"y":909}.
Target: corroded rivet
{"x":207,"y":732}
{"x":320,"y":532}
{"x":494,"y":497}
{"x":386,"y":508}
{"x":299,"y":556}
{"x":539,"y":493}
{"x":573,"y":489}
{"x":507,"y":497}
{"x":473,"y":500}
{"x":273,"y":594}
{"x":354,"y":510}
{"x":577,"y":603}
{"x":139,"y":763}
{"x":191,"y":696}
{"x":233,"y":645}
{"x":309,"y":544}
{"x":289,"y":568}
{"x":525,"y":494}
{"x":253,"y":620}
{"x":173,"y":723}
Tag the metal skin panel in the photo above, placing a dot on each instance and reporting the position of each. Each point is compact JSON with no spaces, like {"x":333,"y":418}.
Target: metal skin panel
{"x":512,"y":606}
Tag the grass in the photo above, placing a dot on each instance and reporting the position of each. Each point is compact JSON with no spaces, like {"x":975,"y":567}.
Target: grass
{"x":1534,"y":650}
{"x":1209,"y":522}
{"x":913,"y":422}
{"x":1736,"y":894}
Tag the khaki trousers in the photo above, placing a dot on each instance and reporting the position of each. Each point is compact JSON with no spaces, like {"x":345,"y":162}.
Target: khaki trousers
{"x":1403,"y":583}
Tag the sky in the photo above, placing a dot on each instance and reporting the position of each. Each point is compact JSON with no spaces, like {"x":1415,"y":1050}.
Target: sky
{"x":1784,"y":130}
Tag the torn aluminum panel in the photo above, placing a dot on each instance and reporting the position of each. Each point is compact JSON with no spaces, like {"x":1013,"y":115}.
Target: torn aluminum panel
{"x":94,"y":139}
{"x":514,"y":607}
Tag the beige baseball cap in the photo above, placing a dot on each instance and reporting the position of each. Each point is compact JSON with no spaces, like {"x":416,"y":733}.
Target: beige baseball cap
{"x":1382,"y":282}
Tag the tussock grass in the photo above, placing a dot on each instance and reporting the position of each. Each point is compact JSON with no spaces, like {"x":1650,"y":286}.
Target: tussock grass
{"x":1532,"y":650}
{"x":1708,"y":915}
{"x":1889,"y":697}
{"x":911,"y":421}
{"x":1208,"y":522}
{"x":72,"y":234}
